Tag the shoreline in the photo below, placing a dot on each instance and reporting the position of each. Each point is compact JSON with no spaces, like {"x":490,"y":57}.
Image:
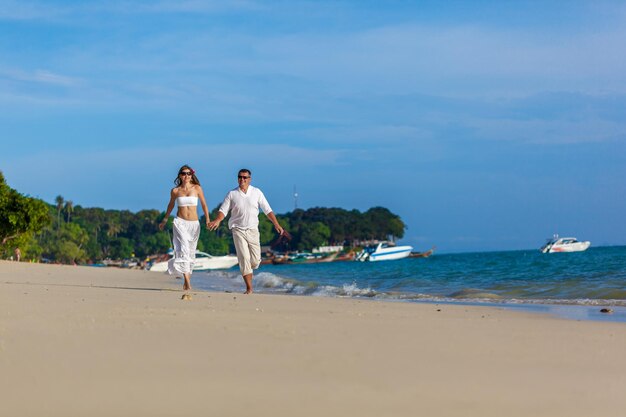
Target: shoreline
{"x":566,"y":309}
{"x":509,"y":279}
{"x":562,"y":310}
{"x":575,"y":312}
{"x":101,"y":342}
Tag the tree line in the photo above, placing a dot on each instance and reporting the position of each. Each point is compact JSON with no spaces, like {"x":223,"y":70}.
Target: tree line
{"x":67,"y":233}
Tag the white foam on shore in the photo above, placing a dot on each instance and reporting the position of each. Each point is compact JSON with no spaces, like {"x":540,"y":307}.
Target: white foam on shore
{"x":346,"y":290}
{"x":230,"y":281}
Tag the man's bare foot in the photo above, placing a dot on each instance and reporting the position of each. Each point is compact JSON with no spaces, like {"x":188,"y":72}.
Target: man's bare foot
{"x":247,"y":279}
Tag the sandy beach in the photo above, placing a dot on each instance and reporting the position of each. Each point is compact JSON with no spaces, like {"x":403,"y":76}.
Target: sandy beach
{"x":81,"y":341}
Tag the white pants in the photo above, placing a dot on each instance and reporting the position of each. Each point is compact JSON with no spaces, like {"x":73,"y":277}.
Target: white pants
{"x":185,"y":240}
{"x":248,"y":246}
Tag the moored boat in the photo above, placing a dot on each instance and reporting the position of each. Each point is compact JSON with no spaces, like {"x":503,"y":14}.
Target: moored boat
{"x":383,"y":251}
{"x":422,"y":254}
{"x":303,"y":258}
{"x":203,"y":262}
{"x":564,"y":244}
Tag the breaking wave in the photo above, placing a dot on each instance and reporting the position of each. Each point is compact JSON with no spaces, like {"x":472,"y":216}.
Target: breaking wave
{"x":271,"y":283}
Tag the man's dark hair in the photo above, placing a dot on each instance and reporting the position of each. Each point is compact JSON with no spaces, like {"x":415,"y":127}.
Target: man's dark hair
{"x":246,"y":171}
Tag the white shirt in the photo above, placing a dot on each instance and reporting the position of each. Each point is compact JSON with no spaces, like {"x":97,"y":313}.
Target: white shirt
{"x":244,"y":207}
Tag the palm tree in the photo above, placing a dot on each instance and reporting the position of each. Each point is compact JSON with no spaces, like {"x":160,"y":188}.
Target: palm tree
{"x":59,"y":200}
{"x":69,"y":207}
{"x":113,"y":228}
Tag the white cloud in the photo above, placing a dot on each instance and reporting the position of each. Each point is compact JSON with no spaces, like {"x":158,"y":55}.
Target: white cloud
{"x":186,"y":64}
{"x":39,"y":76}
{"x":423,"y":58}
{"x":457,"y":60}
{"x":392,"y":58}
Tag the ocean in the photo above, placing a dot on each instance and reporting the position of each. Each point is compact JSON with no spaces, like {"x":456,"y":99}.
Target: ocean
{"x":572,"y":285}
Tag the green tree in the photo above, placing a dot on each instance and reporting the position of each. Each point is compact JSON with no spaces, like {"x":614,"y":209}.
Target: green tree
{"x":121,"y":248}
{"x":113,"y":228}
{"x":31,"y":249}
{"x":60,"y":201}
{"x":345,"y":226}
{"x":20,"y":216}
{"x":68,"y":252}
{"x":69,"y":207}
{"x":266,"y":230}
{"x":384,"y":223}
{"x":67,"y":245}
{"x":313,"y":235}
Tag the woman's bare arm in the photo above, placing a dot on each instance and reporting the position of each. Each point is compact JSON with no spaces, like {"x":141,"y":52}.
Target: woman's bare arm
{"x":170,"y":207}
{"x":205,"y":209}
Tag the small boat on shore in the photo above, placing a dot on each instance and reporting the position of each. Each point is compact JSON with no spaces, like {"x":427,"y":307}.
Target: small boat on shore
{"x":564,"y":244}
{"x":384,"y":251}
{"x":204,"y":262}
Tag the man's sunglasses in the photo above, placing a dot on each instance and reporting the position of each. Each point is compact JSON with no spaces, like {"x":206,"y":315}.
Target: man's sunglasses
{"x":242,"y":177}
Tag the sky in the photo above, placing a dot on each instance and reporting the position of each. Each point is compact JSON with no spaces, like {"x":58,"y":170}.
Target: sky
{"x":485,"y":125}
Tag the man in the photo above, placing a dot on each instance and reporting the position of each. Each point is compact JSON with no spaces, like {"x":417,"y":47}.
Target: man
{"x":244,"y":202}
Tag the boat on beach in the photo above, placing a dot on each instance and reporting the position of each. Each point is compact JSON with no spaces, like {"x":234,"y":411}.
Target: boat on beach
{"x":564,"y":244}
{"x":204,"y":262}
{"x":383,"y":251}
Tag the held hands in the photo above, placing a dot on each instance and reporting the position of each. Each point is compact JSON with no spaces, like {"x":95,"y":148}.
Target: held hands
{"x":213,"y":225}
{"x":162,"y":224}
{"x":279,"y":229}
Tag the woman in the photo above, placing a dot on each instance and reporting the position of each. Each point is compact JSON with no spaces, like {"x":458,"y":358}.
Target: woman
{"x":186,"y":225}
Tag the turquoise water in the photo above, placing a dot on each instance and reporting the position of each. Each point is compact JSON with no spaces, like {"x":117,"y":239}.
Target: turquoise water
{"x":596,"y":277}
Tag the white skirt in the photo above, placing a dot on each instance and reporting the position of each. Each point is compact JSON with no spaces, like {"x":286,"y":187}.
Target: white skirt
{"x":185,"y":240}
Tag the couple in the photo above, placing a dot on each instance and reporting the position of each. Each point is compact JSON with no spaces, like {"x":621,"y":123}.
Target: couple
{"x":243,"y":202}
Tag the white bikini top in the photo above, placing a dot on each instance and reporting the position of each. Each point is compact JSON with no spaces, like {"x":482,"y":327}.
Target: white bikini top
{"x":187,"y":201}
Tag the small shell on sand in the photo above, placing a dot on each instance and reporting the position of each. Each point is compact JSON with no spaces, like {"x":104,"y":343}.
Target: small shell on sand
{"x":186,"y":297}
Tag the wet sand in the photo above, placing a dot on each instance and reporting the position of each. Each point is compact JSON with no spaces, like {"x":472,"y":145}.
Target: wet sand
{"x":80,"y":341}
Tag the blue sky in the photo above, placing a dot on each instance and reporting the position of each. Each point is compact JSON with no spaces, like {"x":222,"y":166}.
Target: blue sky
{"x":484,"y":125}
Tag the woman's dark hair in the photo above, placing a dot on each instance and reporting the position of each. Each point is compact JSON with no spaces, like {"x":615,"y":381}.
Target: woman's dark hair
{"x":194,"y":179}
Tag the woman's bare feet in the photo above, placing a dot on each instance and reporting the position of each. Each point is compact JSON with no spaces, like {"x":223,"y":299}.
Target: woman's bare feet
{"x":186,"y":284}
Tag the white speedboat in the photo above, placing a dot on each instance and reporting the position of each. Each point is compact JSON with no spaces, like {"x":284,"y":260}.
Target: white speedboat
{"x":384,"y":251}
{"x":564,"y":244}
{"x":204,"y":262}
